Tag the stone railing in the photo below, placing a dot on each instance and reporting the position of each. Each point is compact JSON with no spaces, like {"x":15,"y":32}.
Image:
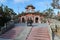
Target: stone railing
{"x":50,"y":32}
{"x":55,"y":25}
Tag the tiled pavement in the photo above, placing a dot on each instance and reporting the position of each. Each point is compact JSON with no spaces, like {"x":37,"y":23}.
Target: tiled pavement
{"x":11,"y":34}
{"x":27,"y":33}
{"x":39,"y":34}
{"x":24,"y":34}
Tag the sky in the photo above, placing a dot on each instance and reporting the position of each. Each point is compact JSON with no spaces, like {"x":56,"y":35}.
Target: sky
{"x":19,"y":5}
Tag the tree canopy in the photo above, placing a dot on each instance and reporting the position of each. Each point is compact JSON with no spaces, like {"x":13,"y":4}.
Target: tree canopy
{"x":5,"y":14}
{"x":55,"y":4}
{"x":48,"y":12}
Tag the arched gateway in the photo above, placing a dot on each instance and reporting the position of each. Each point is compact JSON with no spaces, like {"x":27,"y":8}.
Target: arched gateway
{"x":23,"y":20}
{"x":36,"y":20}
{"x":30,"y":13}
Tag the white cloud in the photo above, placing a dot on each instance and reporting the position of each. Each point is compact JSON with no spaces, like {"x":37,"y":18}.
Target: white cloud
{"x":20,"y":1}
{"x":1,"y":1}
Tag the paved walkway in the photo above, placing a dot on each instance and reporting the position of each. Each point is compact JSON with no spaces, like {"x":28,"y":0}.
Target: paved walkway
{"x":39,"y":34}
{"x":24,"y":32}
{"x":12,"y":34}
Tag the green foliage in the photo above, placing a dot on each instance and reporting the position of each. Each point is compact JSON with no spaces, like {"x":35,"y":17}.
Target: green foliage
{"x":5,"y":14}
{"x":55,"y":4}
{"x":49,"y":13}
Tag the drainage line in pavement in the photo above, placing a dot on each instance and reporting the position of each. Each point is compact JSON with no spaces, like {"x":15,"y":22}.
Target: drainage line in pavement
{"x":29,"y":33}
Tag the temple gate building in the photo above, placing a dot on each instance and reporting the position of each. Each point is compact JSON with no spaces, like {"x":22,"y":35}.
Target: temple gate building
{"x":30,"y":13}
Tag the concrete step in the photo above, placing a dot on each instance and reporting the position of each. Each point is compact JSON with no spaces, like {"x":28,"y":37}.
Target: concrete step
{"x":41,"y":36}
{"x":24,"y":34}
{"x":11,"y":34}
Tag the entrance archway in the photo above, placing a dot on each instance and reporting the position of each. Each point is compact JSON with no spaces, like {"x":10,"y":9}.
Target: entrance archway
{"x":23,"y":20}
{"x":36,"y":20}
{"x":29,"y":18}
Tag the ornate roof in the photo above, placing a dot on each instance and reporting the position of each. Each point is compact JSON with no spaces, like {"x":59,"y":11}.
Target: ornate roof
{"x":35,"y":13}
{"x":30,"y":6}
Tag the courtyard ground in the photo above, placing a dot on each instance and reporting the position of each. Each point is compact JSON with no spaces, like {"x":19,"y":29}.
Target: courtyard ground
{"x":24,"y":32}
{"x":36,"y":32}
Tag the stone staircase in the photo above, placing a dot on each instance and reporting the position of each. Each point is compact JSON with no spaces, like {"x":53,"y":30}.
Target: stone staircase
{"x":39,"y":34}
{"x":12,"y":34}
